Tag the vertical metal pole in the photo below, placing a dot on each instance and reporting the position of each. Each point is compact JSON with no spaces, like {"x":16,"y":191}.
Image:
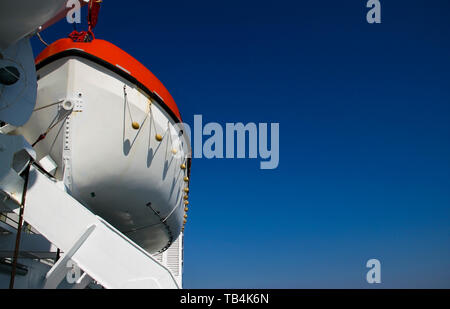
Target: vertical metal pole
{"x":58,"y":255}
{"x":19,"y":229}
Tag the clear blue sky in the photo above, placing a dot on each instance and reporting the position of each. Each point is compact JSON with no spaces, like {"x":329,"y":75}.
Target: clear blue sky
{"x":364,"y":113}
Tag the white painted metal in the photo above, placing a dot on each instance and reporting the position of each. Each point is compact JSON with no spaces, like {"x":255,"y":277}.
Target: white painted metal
{"x":17,"y":100}
{"x":6,"y":230}
{"x":83,"y":282}
{"x":11,"y":185}
{"x":172,"y":258}
{"x":31,"y":245}
{"x":33,"y":278}
{"x":48,"y":164}
{"x":96,"y":247}
{"x":123,"y":175}
{"x":20,"y":18}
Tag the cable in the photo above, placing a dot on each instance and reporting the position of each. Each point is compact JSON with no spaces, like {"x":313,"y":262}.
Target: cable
{"x":49,"y":105}
{"x":51,"y":126}
{"x":41,"y":39}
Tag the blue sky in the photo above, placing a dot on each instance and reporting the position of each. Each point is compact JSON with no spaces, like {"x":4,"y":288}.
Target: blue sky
{"x":364,"y":113}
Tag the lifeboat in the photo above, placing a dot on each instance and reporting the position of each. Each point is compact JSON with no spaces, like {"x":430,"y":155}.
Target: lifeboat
{"x":109,"y":130}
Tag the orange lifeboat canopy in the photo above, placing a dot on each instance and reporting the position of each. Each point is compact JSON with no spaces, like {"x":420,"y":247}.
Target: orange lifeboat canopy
{"x":116,"y":60}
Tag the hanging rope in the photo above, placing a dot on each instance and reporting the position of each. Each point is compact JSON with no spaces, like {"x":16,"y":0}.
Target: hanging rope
{"x":49,"y":105}
{"x":127,"y":105}
{"x":134,"y":124}
{"x":50,"y":127}
{"x":173,"y":150}
{"x":158,"y":136}
{"x":41,"y":39}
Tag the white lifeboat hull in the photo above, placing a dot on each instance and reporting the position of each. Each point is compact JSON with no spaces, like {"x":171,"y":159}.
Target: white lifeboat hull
{"x":123,"y":174}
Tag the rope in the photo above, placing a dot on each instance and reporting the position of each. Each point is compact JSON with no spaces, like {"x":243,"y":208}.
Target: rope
{"x":49,"y":105}
{"x":152,"y":120}
{"x":50,"y":127}
{"x":41,"y":39}
{"x":127,"y":105}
